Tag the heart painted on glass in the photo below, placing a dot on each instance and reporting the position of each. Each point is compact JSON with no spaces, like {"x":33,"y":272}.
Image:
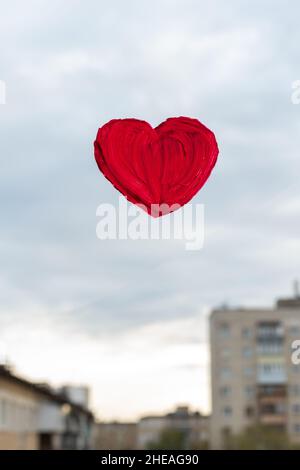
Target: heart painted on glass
{"x":159,"y":169}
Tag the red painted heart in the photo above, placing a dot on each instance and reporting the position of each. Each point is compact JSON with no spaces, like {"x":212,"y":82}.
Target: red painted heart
{"x":158,"y":169}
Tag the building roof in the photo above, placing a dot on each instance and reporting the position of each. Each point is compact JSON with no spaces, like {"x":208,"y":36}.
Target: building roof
{"x":283,"y":303}
{"x":293,"y":302}
{"x":180,"y":412}
{"x":42,"y":389}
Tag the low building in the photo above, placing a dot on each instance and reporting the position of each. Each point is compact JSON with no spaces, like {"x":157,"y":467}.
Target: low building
{"x":34,"y":416}
{"x":193,"y":426}
{"x":19,"y":408}
{"x":115,"y":436}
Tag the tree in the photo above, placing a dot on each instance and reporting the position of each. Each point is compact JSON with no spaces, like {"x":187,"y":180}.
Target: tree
{"x":259,"y":437}
{"x":169,"y":439}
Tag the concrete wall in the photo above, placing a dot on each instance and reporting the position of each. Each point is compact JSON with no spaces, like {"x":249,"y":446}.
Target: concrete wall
{"x":18,"y":417}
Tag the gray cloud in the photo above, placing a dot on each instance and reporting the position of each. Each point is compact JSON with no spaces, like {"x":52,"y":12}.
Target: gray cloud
{"x":71,"y":68}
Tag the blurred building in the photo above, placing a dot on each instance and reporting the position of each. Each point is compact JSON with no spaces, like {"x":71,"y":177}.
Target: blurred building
{"x":193,"y":426}
{"x":80,"y":395}
{"x":253,"y":378}
{"x":116,"y":436}
{"x":35,"y":416}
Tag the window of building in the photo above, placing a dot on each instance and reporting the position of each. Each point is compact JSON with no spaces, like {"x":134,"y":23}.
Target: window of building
{"x":270,"y":329}
{"x":297,"y":428}
{"x":246,"y":332}
{"x":247,"y":352}
{"x":272,"y":390}
{"x":296,"y":408}
{"x":248,"y":371}
{"x":4,"y":412}
{"x":295,"y":389}
{"x":224,"y":330}
{"x":11,"y":414}
{"x":225,"y":373}
{"x":225,"y":352}
{"x":225,"y":391}
{"x":296,"y":368}
{"x":33,"y":419}
{"x":250,"y":391}
{"x":267,"y":348}
{"x":1,"y":412}
{"x":227,"y":411}
{"x":281,"y":408}
{"x":270,"y":369}
{"x":226,"y":432}
{"x":249,"y":411}
{"x":273,"y":409}
{"x":295,"y":330}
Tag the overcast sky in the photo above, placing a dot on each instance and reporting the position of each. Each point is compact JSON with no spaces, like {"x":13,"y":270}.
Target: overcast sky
{"x":129,"y":318}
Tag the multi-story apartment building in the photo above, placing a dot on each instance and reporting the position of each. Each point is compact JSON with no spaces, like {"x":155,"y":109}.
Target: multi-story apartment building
{"x":253,"y":378}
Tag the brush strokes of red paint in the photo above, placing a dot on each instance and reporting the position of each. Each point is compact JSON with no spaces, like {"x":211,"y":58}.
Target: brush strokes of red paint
{"x":166,"y":165}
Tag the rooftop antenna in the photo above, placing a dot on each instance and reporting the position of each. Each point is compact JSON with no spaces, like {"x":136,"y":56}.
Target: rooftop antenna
{"x":296,"y":289}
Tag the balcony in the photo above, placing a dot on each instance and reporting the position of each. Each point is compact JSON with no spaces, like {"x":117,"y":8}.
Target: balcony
{"x":269,"y":331}
{"x":273,"y":419}
{"x":272,"y":411}
{"x":271,"y":373}
{"x":271,"y":393}
{"x":269,"y":348}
